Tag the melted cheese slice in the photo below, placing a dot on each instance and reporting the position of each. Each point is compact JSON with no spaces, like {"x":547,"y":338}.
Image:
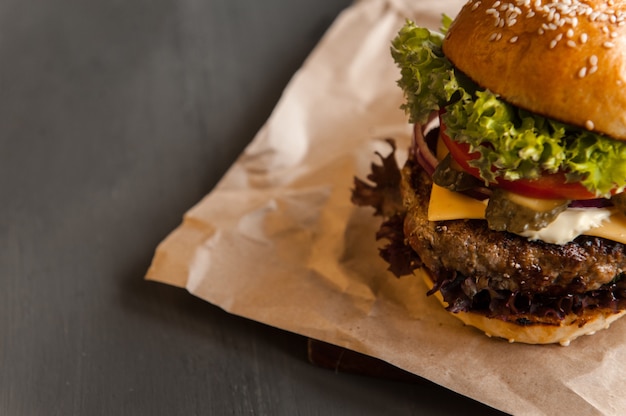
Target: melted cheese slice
{"x":448,"y":205}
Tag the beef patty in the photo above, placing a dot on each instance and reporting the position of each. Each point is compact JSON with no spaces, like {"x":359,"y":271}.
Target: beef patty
{"x":500,"y":260}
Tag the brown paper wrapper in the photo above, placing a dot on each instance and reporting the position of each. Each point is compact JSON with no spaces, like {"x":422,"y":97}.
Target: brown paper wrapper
{"x":279,"y":242}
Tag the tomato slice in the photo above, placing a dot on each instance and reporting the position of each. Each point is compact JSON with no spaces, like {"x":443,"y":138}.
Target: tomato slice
{"x":548,"y":186}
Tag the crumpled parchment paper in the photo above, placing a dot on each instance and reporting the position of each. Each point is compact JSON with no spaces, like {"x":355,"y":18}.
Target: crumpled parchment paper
{"x":279,"y":242}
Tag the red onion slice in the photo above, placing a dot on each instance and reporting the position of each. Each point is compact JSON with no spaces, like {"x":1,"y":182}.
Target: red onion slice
{"x":480,"y":193}
{"x":422,"y":152}
{"x":426,"y":165}
{"x":591,"y":203}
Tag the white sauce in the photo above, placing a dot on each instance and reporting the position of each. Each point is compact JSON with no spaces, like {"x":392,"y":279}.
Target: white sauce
{"x":570,"y":224}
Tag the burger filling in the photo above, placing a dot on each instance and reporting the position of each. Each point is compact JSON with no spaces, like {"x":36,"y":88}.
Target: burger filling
{"x":477,"y":269}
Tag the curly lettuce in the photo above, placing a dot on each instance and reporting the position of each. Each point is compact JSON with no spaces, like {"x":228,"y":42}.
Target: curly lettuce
{"x":427,"y":77}
{"x":512,"y":143}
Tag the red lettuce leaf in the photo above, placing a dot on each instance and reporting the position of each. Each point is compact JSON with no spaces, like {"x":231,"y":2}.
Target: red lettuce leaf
{"x":382,"y":192}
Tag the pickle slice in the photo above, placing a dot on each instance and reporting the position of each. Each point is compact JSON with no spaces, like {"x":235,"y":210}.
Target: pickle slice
{"x":508,"y":211}
{"x":449,"y":175}
{"x":619,"y":202}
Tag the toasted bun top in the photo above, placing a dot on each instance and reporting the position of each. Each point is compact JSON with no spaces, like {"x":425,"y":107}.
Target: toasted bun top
{"x":563,"y":59}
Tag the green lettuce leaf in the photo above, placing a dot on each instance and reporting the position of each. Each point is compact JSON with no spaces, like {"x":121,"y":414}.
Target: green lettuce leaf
{"x":427,"y":77}
{"x":512,"y":143}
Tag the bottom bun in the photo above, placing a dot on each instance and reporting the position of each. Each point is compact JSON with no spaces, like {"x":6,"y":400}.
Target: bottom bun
{"x":535,"y":332}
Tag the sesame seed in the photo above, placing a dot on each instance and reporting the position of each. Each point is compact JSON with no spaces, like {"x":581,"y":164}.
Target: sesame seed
{"x":593,"y":60}
{"x":559,"y":16}
{"x":589,"y":125}
{"x":592,"y":70}
{"x":583,"y":72}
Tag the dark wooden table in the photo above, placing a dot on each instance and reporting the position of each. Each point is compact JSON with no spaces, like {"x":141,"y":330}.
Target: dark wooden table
{"x":115,"y":118}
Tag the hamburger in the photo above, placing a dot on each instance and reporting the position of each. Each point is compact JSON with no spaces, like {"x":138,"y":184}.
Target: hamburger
{"x":511,"y":204}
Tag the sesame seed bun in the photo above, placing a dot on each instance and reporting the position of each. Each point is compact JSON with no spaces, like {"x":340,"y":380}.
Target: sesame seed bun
{"x":536,"y":330}
{"x":566,"y":61}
